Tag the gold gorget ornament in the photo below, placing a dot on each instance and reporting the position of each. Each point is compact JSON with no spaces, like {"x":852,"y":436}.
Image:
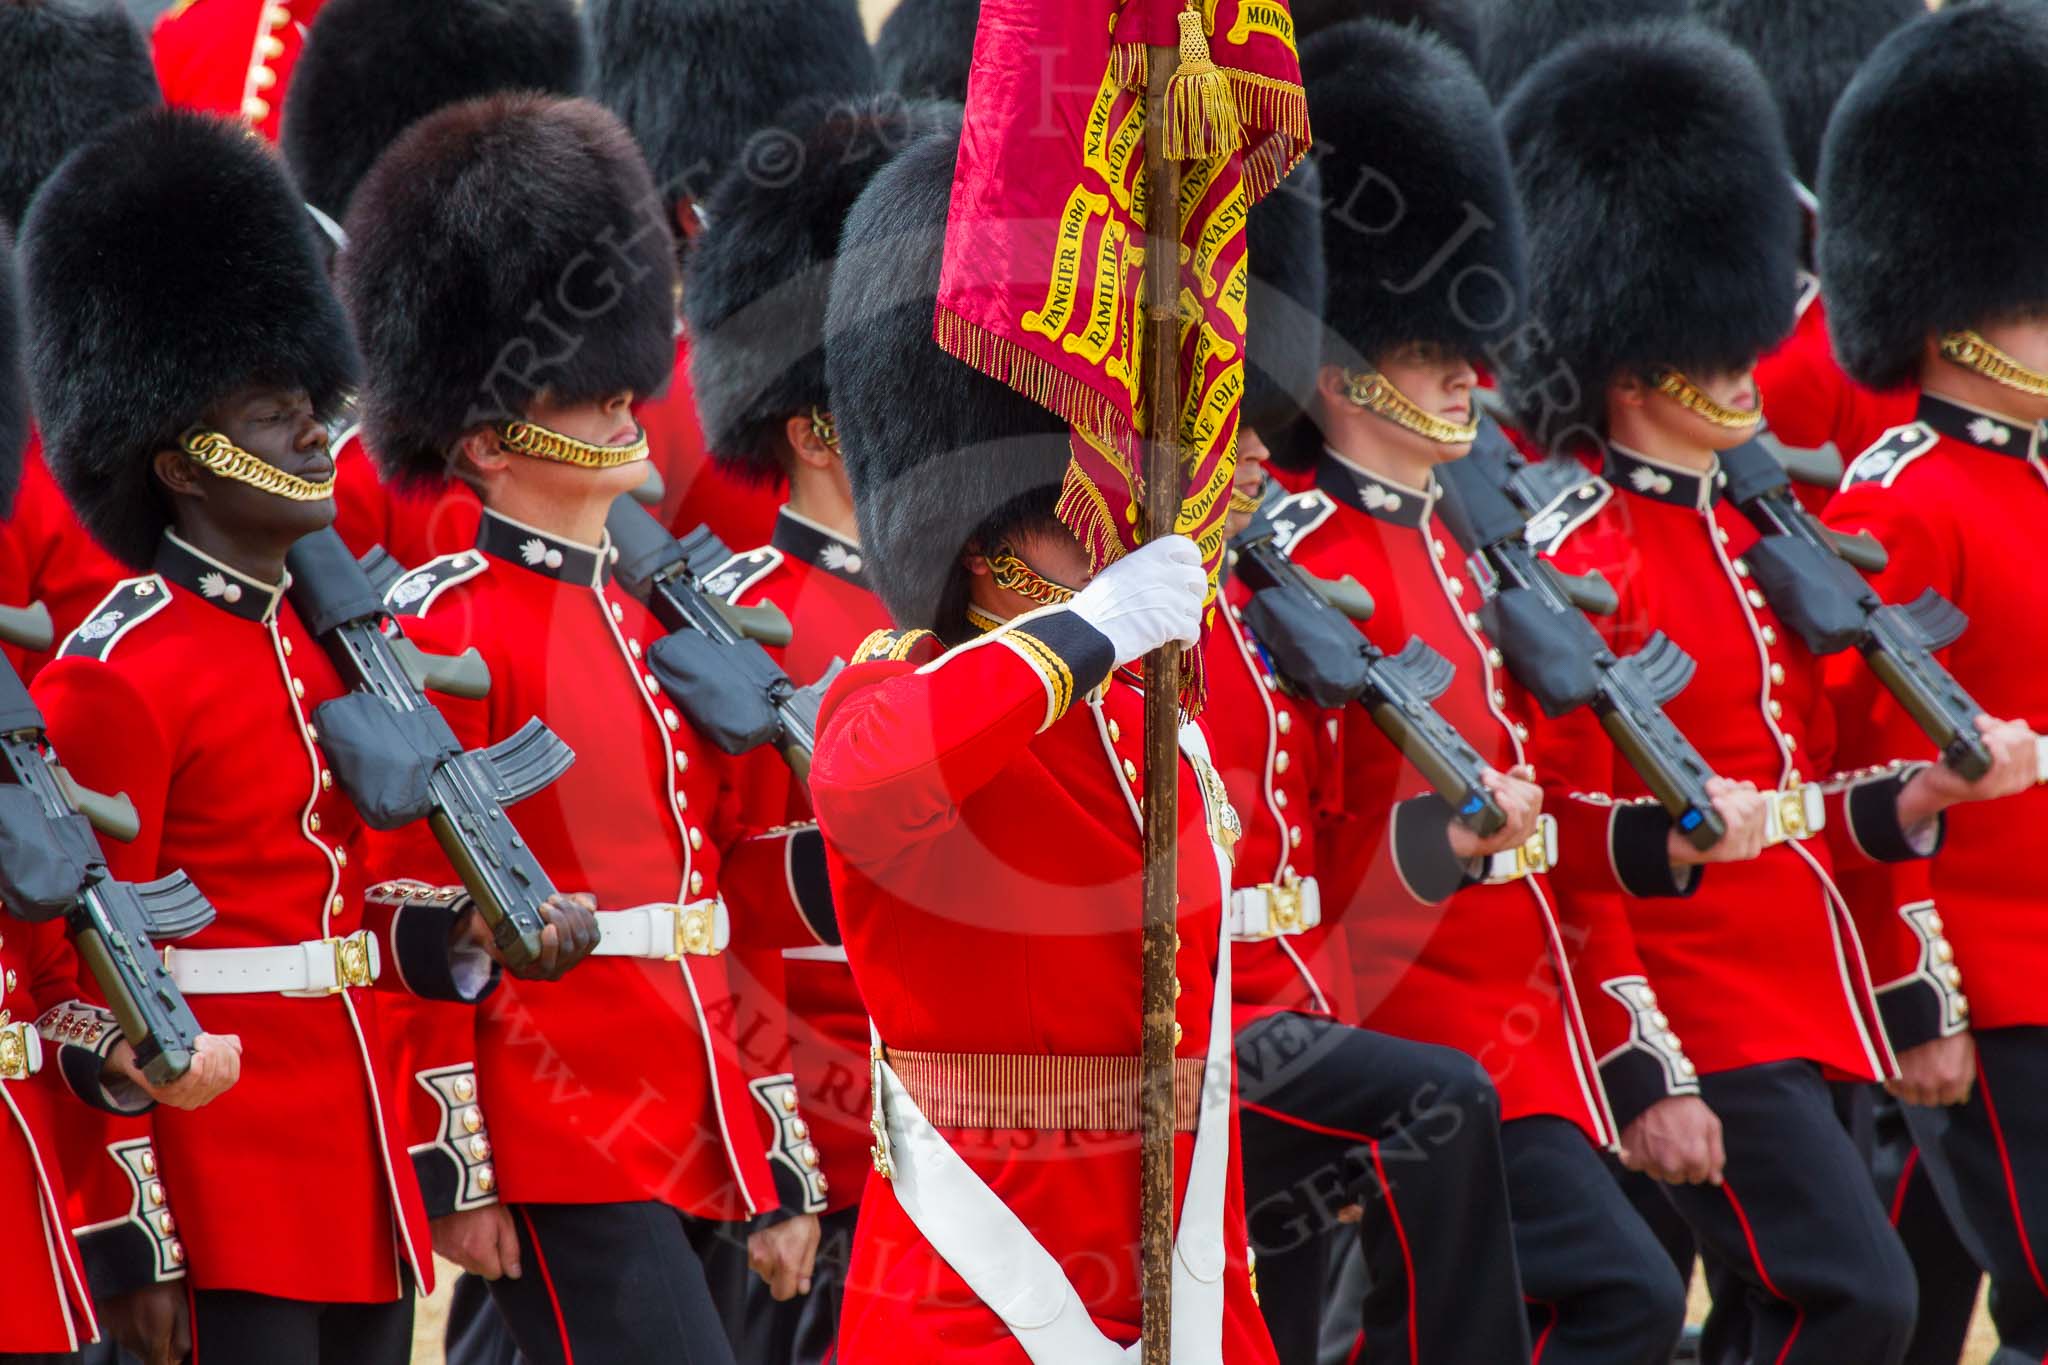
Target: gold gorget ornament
{"x":1694,"y":399}
{"x":1973,"y":352}
{"x":530,"y":438}
{"x":216,"y":453}
{"x":1376,"y":393}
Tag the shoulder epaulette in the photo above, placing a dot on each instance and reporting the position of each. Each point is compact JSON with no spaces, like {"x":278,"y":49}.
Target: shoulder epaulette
{"x":741,"y":572}
{"x":1566,"y":513}
{"x":132,"y":602}
{"x":895,"y":646}
{"x":416,"y":592}
{"x":1292,"y":518}
{"x":1883,"y":462}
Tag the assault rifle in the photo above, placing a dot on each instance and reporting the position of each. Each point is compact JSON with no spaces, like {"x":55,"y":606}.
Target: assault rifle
{"x":711,"y":663}
{"x":1306,"y":626}
{"x":1809,"y":575}
{"x":51,"y":866}
{"x":1537,"y":617}
{"x":398,"y":760}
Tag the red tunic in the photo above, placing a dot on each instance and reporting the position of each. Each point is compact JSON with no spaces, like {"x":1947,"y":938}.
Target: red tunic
{"x":412,"y":527}
{"x":192,"y":690}
{"x":981,"y":825}
{"x":1808,"y":400}
{"x":1762,"y":963}
{"x":231,"y":57}
{"x":46,"y":556}
{"x":1480,"y":967}
{"x":698,"y":492}
{"x":1959,"y":499}
{"x":816,"y":578}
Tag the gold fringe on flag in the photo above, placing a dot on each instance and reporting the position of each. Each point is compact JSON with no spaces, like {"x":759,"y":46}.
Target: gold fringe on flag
{"x":1045,"y":384}
{"x":1201,"y":111}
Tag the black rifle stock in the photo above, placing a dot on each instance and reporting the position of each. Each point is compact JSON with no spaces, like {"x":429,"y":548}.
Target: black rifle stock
{"x":395,"y":755}
{"x":114,"y":923}
{"x":1809,"y":574}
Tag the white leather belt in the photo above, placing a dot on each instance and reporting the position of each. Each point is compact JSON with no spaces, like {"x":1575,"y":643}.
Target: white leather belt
{"x":2040,"y":759}
{"x":1538,"y":854}
{"x":1274,"y":910}
{"x":21,"y":1051}
{"x":1794,"y":815}
{"x":320,"y":966}
{"x":667,"y":933}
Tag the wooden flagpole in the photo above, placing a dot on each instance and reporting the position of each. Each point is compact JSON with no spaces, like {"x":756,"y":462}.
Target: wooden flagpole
{"x":1163,"y":478}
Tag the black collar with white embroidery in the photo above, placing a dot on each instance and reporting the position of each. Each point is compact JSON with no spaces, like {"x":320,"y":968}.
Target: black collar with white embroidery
{"x":517,"y":543}
{"x":1364,"y":491}
{"x":1976,"y":427}
{"x":801,"y":538}
{"x":233,"y":592}
{"x":1662,"y":482}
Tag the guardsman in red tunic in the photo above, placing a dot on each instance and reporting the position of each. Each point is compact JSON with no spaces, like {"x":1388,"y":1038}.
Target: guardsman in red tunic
{"x":1328,"y":1110}
{"x":196,"y":455}
{"x":232,"y":57}
{"x":1644,"y":359}
{"x":613,"y":1173}
{"x":754,"y":295}
{"x":1455,"y":939}
{"x":702,"y":85}
{"x":1938,"y":283}
{"x":370,"y":70}
{"x":979,"y":806}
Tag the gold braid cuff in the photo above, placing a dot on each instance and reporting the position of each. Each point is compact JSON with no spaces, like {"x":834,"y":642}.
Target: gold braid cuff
{"x":212,"y":451}
{"x":1694,"y":399}
{"x":1376,"y":393}
{"x":528,"y":438}
{"x":1973,"y":352}
{"x":1013,"y":574}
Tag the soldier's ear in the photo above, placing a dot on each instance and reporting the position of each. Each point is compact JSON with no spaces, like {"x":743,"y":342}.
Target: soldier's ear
{"x":176,"y":472}
{"x":480,"y":453}
{"x":806,"y":444}
{"x":1631,"y":389}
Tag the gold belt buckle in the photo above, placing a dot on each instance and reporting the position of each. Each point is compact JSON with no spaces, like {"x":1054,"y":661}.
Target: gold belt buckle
{"x":352,"y":961}
{"x":1283,"y":908}
{"x":697,"y":929}
{"x":14,"y":1052}
{"x":1792,"y":813}
{"x":1532,"y":858}
{"x":878,"y":1121}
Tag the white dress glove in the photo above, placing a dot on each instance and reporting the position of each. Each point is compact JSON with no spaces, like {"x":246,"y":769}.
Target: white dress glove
{"x":1148,"y":599}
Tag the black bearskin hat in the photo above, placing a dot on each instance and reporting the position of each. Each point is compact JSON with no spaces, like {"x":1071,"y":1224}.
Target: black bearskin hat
{"x":926,"y":46}
{"x":756,"y":282}
{"x":168,"y":264}
{"x":694,"y":79}
{"x":1808,"y":50}
{"x":503,"y":246}
{"x":1521,"y":33}
{"x":1663,"y":227}
{"x":1283,"y":346}
{"x":1421,"y":227}
{"x":13,"y":380}
{"x":1933,"y":187}
{"x":71,"y":68}
{"x":1457,"y":22}
{"x":939,"y":454}
{"x":373,"y":68}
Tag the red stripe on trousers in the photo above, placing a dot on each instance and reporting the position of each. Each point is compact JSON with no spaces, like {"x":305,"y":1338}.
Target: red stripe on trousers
{"x":1757,"y":1259}
{"x":561,"y":1323}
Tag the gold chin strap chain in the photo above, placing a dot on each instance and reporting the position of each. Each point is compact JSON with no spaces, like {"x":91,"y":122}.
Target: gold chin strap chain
{"x":1973,"y":352}
{"x":824,"y":428}
{"x":1373,"y":391}
{"x":1694,"y":399}
{"x":1014,"y":574}
{"x":212,"y":451}
{"x":527,"y":438}
{"x":1244,"y":503}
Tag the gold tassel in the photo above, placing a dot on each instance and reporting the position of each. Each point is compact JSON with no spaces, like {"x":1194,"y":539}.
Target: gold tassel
{"x":1201,"y":113}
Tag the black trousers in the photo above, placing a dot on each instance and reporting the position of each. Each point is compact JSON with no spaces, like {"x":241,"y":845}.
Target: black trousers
{"x":1988,"y":1162}
{"x":1333,"y":1116}
{"x":1600,"y":1287}
{"x":612,"y":1282}
{"x":230,"y":1327}
{"x":1798,"y":1225}
{"x":1948,"y":1277}
{"x":802,"y":1331}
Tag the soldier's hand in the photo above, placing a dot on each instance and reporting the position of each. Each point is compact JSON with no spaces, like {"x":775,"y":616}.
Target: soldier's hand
{"x":2015,"y":767}
{"x":216,"y":1066}
{"x":1746,"y":813}
{"x":784,"y":1255}
{"x":481,"y":1241}
{"x":1676,"y":1140}
{"x":1520,"y":799}
{"x":1937,"y":1073}
{"x":150,"y":1324}
{"x":569,"y":934}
